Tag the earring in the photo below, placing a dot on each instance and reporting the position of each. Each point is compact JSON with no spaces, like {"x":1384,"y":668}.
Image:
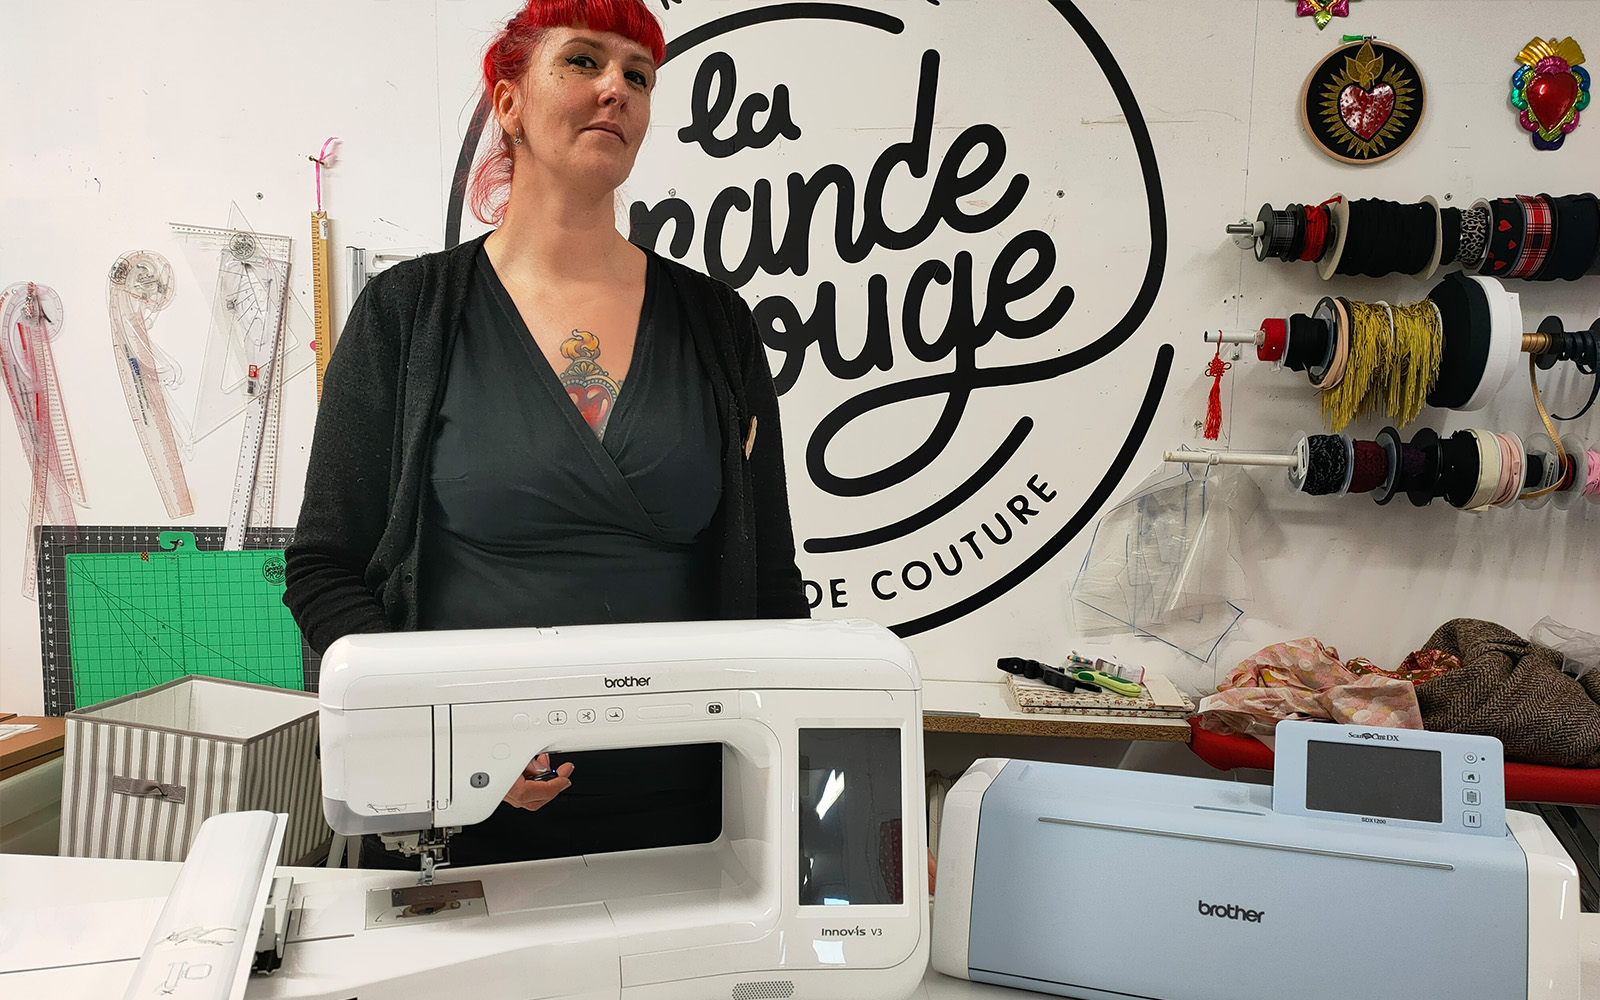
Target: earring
{"x":516,"y":140}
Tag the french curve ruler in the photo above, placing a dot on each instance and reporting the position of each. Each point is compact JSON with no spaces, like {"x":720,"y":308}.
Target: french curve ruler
{"x":319,"y":293}
{"x":30,"y":317}
{"x":140,"y":285}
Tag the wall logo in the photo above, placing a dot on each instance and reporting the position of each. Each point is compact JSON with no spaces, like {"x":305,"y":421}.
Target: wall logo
{"x":918,"y":247}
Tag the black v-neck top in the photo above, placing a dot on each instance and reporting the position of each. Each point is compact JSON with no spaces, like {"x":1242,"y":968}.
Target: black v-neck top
{"x":532,"y":519}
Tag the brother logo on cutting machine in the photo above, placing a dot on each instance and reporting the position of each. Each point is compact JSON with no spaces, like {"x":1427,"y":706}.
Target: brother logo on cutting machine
{"x":627,"y":682}
{"x":1230,"y":912}
{"x":1374,"y":736}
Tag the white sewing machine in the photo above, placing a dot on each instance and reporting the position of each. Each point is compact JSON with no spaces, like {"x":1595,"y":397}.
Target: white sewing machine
{"x":815,"y":888}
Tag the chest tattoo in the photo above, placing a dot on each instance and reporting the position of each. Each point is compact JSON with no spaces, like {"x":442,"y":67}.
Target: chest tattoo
{"x":593,"y":391}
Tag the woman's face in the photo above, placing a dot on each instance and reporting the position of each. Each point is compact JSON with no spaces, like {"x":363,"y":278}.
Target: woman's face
{"x":583,"y":106}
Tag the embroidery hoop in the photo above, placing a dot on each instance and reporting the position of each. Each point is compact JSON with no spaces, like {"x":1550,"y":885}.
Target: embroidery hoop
{"x":1330,"y":68}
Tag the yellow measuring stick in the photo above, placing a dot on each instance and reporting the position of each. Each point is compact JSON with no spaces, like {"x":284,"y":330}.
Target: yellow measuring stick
{"x":319,"y":291}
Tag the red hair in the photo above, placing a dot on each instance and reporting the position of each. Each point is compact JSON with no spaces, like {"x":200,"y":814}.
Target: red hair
{"x":508,"y":57}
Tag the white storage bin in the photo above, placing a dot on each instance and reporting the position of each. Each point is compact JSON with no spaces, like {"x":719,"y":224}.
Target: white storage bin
{"x":145,"y":770}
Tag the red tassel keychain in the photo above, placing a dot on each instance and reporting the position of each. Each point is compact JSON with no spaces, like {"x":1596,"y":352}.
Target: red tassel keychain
{"x":1215,"y":368}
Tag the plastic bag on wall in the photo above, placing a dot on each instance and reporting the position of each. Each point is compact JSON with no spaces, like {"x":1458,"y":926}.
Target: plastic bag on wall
{"x":1168,"y":562}
{"x":1580,"y":650}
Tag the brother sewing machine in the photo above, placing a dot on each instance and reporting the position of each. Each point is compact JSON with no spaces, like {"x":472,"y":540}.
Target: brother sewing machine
{"x":815,"y":888}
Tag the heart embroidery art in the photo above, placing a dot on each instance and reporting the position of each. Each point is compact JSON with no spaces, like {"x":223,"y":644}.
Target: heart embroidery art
{"x":1363,"y":102}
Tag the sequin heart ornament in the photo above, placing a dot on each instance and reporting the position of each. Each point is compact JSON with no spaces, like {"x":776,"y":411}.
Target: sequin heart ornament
{"x":1549,"y":90}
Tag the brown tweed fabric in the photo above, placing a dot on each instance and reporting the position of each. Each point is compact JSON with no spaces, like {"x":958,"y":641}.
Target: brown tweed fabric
{"x":1513,"y":690}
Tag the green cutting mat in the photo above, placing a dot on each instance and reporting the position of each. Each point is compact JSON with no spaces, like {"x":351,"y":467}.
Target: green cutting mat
{"x":138,"y":619}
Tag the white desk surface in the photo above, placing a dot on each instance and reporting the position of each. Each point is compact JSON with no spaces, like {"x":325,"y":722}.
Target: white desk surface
{"x":30,"y":883}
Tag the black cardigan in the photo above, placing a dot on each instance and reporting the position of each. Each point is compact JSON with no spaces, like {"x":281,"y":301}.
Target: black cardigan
{"x":352,"y":566}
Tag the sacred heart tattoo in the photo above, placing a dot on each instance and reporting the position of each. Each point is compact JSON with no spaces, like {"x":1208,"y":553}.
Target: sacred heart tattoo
{"x":593,"y":391}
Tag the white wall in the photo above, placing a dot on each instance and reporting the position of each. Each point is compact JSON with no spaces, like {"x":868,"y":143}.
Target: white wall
{"x":124,"y":117}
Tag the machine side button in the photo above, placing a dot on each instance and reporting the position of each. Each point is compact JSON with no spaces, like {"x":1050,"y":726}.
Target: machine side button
{"x":1472,"y":819}
{"x":613,"y":714}
{"x":585,"y":715}
{"x":558,"y":718}
{"x":1470,"y":777}
{"x":1471,"y":796}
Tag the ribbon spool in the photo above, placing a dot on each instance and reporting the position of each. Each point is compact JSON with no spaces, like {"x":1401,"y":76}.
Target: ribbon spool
{"x":1513,"y":470}
{"x":1323,"y":464}
{"x":1482,"y":339}
{"x":1338,"y":209}
{"x":1540,"y":452}
{"x":1330,"y":316}
{"x":1578,"y":456}
{"x":1423,"y":480}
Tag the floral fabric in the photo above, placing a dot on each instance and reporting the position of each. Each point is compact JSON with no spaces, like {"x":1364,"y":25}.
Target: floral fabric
{"x":1304,"y":679}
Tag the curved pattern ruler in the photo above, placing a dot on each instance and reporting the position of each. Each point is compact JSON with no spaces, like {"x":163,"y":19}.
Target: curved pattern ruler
{"x":139,"y":286}
{"x":31,"y":317}
{"x":246,"y":353}
{"x":119,"y":612}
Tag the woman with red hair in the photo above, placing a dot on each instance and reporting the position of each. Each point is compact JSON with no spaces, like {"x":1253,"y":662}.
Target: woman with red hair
{"x":551,"y":426}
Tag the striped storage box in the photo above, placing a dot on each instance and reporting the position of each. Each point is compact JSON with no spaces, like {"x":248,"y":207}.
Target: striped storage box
{"x":143,"y":771}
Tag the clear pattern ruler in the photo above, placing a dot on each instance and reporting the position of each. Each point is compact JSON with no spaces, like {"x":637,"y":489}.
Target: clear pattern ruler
{"x":31,"y":317}
{"x":246,"y":353}
{"x":140,"y":285}
{"x":119,"y":612}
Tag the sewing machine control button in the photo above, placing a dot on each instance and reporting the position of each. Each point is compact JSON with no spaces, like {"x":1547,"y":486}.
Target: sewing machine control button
{"x":1471,"y":796}
{"x":586,"y":715}
{"x":521,"y":723}
{"x":1470,"y":777}
{"x":1471,"y":758}
{"x":715,"y":708}
{"x":652,"y":712}
{"x":1472,"y":819}
{"x":613,"y":715}
{"x":558,"y":718}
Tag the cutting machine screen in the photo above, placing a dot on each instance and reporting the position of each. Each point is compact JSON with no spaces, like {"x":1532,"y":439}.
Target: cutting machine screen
{"x":1374,"y":781}
{"x":851,"y":843}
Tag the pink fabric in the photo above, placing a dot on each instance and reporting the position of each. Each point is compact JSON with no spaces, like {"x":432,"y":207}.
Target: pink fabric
{"x":1303,"y":679}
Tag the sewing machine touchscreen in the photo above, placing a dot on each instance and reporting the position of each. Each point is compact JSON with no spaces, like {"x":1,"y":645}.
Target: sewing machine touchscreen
{"x":850,"y":821}
{"x":1374,"y":781}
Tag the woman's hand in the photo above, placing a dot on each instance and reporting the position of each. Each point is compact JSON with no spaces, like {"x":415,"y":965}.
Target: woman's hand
{"x":533,"y":790}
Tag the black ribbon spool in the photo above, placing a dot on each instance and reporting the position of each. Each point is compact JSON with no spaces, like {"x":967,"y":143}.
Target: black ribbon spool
{"x":1327,"y":318}
{"x":1464,"y":309}
{"x":1389,"y":440}
{"x":1422,"y":489}
{"x":1506,"y":230}
{"x":1310,"y":342}
{"x":1277,"y":233}
{"x":1576,"y":221}
{"x":1386,"y":237}
{"x":1297,"y":244}
{"x":1532,"y":471}
{"x":1459,"y":464}
{"x":1581,"y":347}
{"x":1449,"y":234}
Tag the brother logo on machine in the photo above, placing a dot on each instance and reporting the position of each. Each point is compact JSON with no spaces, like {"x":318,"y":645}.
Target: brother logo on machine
{"x":627,"y":682}
{"x":1228,"y":911}
{"x":1390,"y":737}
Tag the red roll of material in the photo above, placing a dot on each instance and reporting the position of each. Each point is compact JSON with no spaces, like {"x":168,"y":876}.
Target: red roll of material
{"x":1274,"y":342}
